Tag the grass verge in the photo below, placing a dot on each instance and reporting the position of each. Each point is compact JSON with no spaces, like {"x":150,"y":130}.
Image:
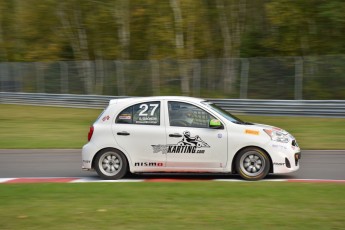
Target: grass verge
{"x":52,"y":127}
{"x":42,"y":127}
{"x":193,"y":205}
{"x":310,"y":132}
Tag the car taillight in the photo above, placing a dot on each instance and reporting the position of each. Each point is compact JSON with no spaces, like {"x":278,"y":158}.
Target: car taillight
{"x":90,"y":133}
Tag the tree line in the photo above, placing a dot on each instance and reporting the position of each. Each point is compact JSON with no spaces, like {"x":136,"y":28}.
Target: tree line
{"x":35,"y":30}
{"x":55,"y":30}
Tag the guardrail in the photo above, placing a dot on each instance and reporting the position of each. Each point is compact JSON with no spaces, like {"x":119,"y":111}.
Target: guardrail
{"x":320,"y":108}
{"x":62,"y":100}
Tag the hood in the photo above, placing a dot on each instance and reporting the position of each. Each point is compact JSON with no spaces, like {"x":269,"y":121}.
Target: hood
{"x":275,"y":130}
{"x":263,"y":126}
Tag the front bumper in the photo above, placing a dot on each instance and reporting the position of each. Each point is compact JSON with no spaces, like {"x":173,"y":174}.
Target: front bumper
{"x":297,"y":157}
{"x":285,"y":157}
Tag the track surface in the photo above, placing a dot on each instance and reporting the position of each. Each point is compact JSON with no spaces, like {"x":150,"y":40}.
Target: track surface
{"x":67,"y":163}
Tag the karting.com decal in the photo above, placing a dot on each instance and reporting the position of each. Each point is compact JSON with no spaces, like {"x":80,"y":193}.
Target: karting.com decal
{"x":188,"y":144}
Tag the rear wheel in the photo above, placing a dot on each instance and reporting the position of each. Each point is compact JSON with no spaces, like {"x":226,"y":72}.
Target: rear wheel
{"x":111,"y":164}
{"x":252,"y":164}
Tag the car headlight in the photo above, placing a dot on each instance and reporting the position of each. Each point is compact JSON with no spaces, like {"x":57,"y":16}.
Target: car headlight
{"x":278,"y":135}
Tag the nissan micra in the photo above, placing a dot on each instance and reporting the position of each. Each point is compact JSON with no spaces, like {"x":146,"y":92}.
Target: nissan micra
{"x":184,"y":134}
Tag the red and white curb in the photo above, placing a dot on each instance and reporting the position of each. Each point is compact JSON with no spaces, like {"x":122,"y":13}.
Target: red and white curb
{"x":27,"y":180}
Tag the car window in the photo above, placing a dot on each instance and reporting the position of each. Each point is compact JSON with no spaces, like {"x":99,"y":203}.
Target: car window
{"x":126,"y":116}
{"x":187,"y":115}
{"x":147,"y":113}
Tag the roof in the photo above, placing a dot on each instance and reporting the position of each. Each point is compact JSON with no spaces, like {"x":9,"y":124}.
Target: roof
{"x":155,"y":98}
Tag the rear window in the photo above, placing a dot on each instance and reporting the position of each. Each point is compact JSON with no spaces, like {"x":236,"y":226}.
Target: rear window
{"x":126,"y":116}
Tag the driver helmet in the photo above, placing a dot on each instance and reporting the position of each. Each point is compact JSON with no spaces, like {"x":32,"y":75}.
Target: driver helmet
{"x":186,"y":133}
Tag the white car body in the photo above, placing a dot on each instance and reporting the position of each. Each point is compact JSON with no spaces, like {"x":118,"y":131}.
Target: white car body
{"x":155,"y":144}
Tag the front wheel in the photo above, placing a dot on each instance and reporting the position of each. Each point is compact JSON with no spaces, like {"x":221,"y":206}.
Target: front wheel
{"x":111,"y":164}
{"x":252,"y":164}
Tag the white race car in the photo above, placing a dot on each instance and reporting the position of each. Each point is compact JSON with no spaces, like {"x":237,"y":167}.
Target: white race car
{"x":184,"y":134}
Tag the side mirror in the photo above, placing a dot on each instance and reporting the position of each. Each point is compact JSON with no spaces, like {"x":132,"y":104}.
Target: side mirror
{"x":215,"y":124}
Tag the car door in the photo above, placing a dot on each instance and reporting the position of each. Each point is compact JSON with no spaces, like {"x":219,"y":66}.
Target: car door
{"x":191,"y":143}
{"x":139,"y":130}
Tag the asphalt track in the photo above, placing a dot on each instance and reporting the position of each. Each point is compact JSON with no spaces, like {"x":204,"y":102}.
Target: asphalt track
{"x":15,"y":163}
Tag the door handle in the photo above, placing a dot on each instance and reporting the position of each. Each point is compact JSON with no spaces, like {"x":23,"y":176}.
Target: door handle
{"x":175,"y":135}
{"x":123,"y":133}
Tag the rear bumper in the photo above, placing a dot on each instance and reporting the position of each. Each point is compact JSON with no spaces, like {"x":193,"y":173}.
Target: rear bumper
{"x":87,"y":155}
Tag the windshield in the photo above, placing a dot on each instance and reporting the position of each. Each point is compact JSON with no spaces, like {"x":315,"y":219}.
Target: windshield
{"x":224,"y":113}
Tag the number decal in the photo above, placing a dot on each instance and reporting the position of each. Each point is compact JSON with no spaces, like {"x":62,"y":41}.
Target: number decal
{"x":142,"y":113}
{"x":155,"y":106}
{"x":145,"y":107}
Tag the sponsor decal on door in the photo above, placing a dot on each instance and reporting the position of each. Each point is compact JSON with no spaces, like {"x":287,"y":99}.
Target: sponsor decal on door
{"x":188,"y":144}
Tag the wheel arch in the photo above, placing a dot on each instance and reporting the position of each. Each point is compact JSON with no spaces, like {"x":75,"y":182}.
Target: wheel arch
{"x":112,"y":149}
{"x":233,"y":166}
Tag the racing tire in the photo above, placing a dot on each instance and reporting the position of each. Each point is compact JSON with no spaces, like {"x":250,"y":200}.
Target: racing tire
{"x":252,"y":164}
{"x":111,"y":164}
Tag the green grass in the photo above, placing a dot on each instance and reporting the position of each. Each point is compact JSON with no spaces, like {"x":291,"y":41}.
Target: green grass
{"x":193,"y":205}
{"x":44,"y":127}
{"x":51,"y":127}
{"x":310,"y":132}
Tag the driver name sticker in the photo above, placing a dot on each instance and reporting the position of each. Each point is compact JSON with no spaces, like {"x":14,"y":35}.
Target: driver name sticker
{"x":188,"y":144}
{"x":147,"y":120}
